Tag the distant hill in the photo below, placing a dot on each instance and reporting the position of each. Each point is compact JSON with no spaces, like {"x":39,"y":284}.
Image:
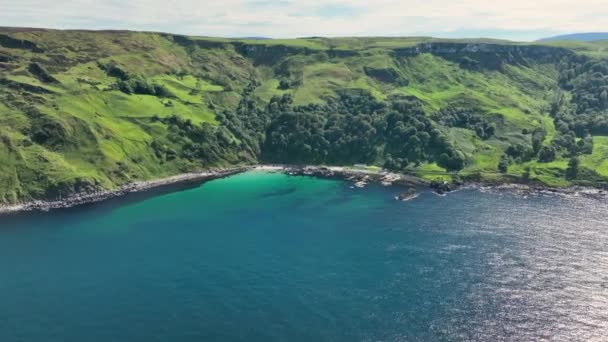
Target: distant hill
{"x":582,"y":37}
{"x":254,"y":38}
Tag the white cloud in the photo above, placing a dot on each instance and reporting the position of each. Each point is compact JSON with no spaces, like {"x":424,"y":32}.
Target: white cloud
{"x":290,"y":18}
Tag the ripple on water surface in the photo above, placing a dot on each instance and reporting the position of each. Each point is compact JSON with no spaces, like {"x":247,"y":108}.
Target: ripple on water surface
{"x":272,"y":257}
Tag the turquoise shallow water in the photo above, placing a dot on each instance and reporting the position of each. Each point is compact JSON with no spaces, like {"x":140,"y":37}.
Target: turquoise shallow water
{"x":269,"y":257}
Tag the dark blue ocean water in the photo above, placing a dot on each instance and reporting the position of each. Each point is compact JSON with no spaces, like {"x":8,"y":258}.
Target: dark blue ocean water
{"x":269,"y":257}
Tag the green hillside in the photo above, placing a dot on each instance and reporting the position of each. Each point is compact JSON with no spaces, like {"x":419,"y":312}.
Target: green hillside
{"x":85,"y":110}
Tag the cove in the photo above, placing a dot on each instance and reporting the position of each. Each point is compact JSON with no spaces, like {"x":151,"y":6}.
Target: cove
{"x":271,"y":257}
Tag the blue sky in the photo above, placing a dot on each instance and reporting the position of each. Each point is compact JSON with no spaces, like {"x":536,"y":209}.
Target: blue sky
{"x":514,"y":19}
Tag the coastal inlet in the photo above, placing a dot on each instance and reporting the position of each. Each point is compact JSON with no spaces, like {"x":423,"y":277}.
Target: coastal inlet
{"x":262,"y":256}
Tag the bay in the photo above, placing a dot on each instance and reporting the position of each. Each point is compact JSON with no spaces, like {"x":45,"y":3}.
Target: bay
{"x":271,"y":257}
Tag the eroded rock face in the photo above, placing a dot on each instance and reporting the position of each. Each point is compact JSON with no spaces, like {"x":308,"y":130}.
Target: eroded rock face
{"x":270,"y":55}
{"x":486,"y":55}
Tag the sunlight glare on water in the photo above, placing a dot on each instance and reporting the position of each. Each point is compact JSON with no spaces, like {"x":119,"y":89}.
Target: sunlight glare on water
{"x":259,"y":257}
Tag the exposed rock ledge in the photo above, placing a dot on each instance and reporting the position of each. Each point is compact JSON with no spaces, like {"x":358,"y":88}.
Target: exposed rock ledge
{"x":359,"y":176}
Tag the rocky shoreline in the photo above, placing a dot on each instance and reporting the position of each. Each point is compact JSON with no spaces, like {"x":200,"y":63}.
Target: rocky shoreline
{"x":359,"y":177}
{"x":527,"y":190}
{"x":135,"y":187}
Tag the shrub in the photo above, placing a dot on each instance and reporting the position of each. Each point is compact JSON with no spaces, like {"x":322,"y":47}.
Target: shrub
{"x":547,"y":154}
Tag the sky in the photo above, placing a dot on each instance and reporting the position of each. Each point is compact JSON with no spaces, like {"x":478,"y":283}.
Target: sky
{"x":523,"y":20}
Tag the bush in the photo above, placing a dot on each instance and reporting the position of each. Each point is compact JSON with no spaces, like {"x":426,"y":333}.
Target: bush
{"x":520,"y":151}
{"x":547,"y":154}
{"x":503,"y":164}
{"x":454,"y":116}
{"x":284,"y":84}
{"x":114,"y":70}
{"x":454,"y":161}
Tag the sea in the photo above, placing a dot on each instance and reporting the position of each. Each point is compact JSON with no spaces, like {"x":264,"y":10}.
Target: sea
{"x":270,"y":257}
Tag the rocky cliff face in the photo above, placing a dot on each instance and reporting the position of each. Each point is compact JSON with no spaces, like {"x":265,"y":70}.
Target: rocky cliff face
{"x":485,"y":55}
{"x":468,"y":54}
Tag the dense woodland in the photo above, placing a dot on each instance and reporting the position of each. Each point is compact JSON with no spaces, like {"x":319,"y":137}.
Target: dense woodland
{"x":353,"y":127}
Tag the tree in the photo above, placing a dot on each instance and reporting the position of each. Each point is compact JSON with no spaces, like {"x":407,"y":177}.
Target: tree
{"x":585,"y":145}
{"x":572,"y":170}
{"x":538,"y":136}
{"x":114,"y":70}
{"x":454,"y":161}
{"x":503,"y":164}
{"x":490,"y":130}
{"x":389,"y":163}
{"x":284,"y":84}
{"x":124,"y":86}
{"x":480,"y":131}
{"x":546,"y":154}
{"x":162,"y":91}
{"x":520,"y":151}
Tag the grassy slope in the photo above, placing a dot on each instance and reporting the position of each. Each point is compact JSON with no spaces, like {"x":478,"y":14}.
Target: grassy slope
{"x":597,"y":49}
{"x":110,"y":132}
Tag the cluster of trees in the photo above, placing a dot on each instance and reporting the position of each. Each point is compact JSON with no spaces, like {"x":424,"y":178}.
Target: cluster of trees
{"x":248,"y":122}
{"x":351,"y":128}
{"x":205,"y":143}
{"x":114,"y":70}
{"x":586,"y":110}
{"x":140,"y":85}
{"x":587,"y":79}
{"x":565,"y":144}
{"x":577,"y":115}
{"x":356,"y":128}
{"x":521,"y":152}
{"x":537,"y":138}
{"x":455,"y":116}
{"x":133,"y":84}
{"x":285,"y":84}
